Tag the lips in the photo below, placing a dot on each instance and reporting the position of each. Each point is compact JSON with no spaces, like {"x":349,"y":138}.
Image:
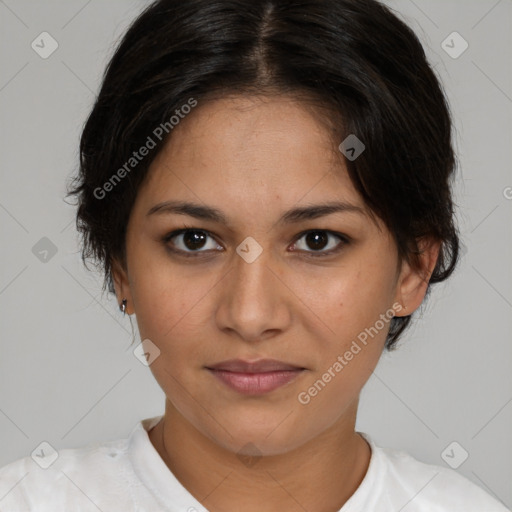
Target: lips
{"x":254,"y":378}
{"x":261,"y":366}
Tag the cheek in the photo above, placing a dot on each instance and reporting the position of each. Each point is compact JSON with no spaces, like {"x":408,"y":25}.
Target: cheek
{"x":351,"y":305}
{"x":352,"y":308}
{"x":163,"y":315}
{"x":163,"y":295}
{"x":174,"y":310}
{"x":353,"y":299}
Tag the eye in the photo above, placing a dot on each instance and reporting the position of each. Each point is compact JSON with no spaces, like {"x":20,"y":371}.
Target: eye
{"x":195,"y":242}
{"x":321,"y":242}
{"x":191,"y":241}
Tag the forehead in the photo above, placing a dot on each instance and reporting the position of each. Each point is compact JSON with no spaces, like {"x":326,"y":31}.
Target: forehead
{"x":247,"y":118}
{"x":247,"y":152}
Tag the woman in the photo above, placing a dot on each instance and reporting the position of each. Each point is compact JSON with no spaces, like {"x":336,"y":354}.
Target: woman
{"x":259,"y":184}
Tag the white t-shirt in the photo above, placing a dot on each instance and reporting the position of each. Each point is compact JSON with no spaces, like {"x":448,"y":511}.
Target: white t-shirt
{"x":129,"y":475}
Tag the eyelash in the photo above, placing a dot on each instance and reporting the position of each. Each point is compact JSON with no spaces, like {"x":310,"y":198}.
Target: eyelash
{"x":344,"y":240}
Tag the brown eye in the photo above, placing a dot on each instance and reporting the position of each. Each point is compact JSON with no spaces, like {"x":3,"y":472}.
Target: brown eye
{"x":317,"y":240}
{"x":194,"y":240}
{"x":321,"y":241}
{"x":190,"y":241}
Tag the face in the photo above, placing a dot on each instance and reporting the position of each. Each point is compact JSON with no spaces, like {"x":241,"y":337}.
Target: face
{"x":260,"y":272}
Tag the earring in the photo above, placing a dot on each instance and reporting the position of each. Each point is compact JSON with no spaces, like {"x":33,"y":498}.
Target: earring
{"x":122,"y":306}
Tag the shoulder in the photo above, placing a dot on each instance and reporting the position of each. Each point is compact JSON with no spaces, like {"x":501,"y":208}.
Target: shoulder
{"x":59,"y":479}
{"x":420,"y":487}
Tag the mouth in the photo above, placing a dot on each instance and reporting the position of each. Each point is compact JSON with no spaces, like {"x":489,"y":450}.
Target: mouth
{"x":255,"y":378}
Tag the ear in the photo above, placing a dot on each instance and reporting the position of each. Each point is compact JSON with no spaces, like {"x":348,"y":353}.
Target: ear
{"x":122,"y":285}
{"x":412,"y":282}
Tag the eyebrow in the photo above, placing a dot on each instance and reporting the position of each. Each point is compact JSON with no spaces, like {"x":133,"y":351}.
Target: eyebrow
{"x":294,"y":215}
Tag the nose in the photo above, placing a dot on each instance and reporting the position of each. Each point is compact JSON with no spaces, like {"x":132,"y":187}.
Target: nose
{"x":254,"y":302}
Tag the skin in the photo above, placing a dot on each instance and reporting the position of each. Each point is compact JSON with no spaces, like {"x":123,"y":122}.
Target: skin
{"x":253,"y":159}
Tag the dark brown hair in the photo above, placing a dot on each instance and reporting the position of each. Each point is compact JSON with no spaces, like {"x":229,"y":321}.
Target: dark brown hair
{"x":357,"y":59}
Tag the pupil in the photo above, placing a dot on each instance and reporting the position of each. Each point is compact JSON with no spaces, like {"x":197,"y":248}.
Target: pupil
{"x":194,"y":239}
{"x":317,"y":239}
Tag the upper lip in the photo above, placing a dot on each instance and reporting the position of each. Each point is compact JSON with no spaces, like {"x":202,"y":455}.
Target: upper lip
{"x":260,"y":366}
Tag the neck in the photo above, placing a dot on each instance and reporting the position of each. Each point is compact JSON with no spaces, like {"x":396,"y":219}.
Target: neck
{"x":320,"y":475}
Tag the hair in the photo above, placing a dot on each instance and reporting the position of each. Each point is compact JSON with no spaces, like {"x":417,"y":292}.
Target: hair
{"x":355,"y":58}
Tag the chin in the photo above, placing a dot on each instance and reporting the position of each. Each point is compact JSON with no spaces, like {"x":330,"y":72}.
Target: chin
{"x":251,"y":437}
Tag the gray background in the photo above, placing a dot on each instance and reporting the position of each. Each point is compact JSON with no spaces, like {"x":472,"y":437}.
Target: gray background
{"x":67,"y":371}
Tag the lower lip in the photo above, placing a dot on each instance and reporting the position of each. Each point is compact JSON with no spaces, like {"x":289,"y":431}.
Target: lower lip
{"x":255,"y":383}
